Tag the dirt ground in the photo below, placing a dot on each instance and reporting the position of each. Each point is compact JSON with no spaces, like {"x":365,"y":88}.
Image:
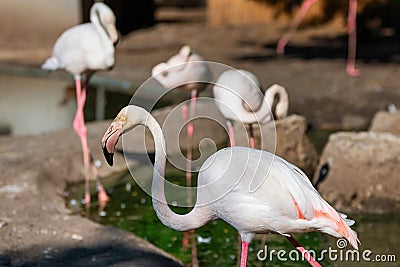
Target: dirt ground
{"x":313,"y":71}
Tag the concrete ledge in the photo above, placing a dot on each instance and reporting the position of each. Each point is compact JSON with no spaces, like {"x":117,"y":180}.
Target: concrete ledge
{"x":35,"y":227}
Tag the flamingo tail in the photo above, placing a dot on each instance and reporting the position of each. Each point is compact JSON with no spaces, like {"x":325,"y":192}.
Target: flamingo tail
{"x":342,"y":223}
{"x":51,"y":64}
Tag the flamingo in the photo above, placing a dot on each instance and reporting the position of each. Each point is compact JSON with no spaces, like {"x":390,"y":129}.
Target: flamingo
{"x":82,"y":50}
{"x":352,"y":31}
{"x":186,"y":71}
{"x":253,"y":190}
{"x":239,"y":98}
{"x":189,"y":72}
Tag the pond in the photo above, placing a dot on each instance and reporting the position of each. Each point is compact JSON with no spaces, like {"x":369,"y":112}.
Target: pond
{"x":131,"y":209}
{"x":46,"y":102}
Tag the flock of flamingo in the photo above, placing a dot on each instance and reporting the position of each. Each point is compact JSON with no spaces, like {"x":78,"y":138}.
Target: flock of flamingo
{"x":284,"y":201}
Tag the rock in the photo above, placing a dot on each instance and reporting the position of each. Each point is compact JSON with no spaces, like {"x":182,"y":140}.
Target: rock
{"x":364,"y":172}
{"x":384,"y":121}
{"x":289,"y":141}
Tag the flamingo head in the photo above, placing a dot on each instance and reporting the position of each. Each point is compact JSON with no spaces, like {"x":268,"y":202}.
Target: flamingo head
{"x":107,"y":20}
{"x":111,"y":137}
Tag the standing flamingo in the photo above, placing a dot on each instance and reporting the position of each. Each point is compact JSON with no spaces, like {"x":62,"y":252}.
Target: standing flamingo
{"x":352,"y":31}
{"x":253,"y":190}
{"x":239,"y":98}
{"x":189,"y":72}
{"x":82,"y":50}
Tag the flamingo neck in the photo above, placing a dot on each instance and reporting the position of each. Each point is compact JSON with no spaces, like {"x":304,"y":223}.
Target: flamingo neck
{"x":282,"y":106}
{"x":105,"y":36}
{"x":192,"y":220}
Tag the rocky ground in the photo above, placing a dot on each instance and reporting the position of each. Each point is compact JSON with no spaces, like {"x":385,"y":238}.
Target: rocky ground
{"x":37,"y":229}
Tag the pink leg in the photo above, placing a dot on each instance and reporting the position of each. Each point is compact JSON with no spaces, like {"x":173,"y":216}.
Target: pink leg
{"x":280,"y":49}
{"x":243,"y":258}
{"x":190,"y":130}
{"x":185,"y":239}
{"x":102,"y":195}
{"x":231,"y":133}
{"x":80,"y":129}
{"x":251,"y":138}
{"x":304,"y":252}
{"x":352,"y":28}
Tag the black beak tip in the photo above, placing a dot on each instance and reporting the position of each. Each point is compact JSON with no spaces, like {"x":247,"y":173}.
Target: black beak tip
{"x":109,"y":156}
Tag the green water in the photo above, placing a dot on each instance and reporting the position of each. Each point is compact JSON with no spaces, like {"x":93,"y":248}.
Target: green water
{"x":130,"y":209}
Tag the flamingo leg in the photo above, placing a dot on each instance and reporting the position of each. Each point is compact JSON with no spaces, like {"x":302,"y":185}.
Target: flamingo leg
{"x":305,"y":6}
{"x":352,"y":28}
{"x":102,"y":195}
{"x":251,"y":138}
{"x":304,"y":252}
{"x":80,"y":129}
{"x":243,"y":257}
{"x":189,"y":148}
{"x":190,"y":130}
{"x":231,"y":133}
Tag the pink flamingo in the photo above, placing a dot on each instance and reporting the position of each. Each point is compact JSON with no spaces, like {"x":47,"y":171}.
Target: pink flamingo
{"x":239,"y":98}
{"x":82,"y":50}
{"x":189,"y":72}
{"x":253,"y":190}
{"x":352,"y":30}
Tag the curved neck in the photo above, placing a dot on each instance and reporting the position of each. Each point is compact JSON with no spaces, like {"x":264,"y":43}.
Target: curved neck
{"x":100,"y":27}
{"x":194,"y":219}
{"x":282,"y":106}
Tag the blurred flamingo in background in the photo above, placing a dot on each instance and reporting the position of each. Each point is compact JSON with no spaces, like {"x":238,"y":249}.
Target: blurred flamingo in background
{"x":352,"y":30}
{"x":82,"y":50}
{"x":189,"y":72}
{"x":239,"y":98}
{"x":253,"y":190}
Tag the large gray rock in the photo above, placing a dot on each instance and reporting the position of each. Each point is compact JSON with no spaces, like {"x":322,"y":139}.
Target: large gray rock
{"x":384,"y":121}
{"x":287,"y":138}
{"x":364,"y":174}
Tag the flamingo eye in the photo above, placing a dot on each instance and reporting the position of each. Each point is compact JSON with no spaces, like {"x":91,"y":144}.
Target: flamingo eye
{"x":164,"y":73}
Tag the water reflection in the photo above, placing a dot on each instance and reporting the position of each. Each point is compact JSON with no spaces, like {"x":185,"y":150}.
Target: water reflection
{"x":31,"y":105}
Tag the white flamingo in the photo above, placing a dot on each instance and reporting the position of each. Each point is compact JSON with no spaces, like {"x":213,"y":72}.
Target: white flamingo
{"x":239,"y":98}
{"x":352,"y":31}
{"x":82,"y":50}
{"x":189,"y":72}
{"x":283,"y":202}
{"x":185,"y":71}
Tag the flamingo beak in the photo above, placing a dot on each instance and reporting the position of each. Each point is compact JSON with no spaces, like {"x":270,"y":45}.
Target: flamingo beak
{"x":110,"y":140}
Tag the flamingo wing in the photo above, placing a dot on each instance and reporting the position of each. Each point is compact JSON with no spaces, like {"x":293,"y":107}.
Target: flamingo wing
{"x":181,"y":69}
{"x":268,"y":194}
{"x":80,"y":48}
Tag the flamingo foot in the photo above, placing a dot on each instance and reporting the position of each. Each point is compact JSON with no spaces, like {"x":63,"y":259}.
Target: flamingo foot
{"x":280,"y":48}
{"x":352,"y":71}
{"x":102,"y":195}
